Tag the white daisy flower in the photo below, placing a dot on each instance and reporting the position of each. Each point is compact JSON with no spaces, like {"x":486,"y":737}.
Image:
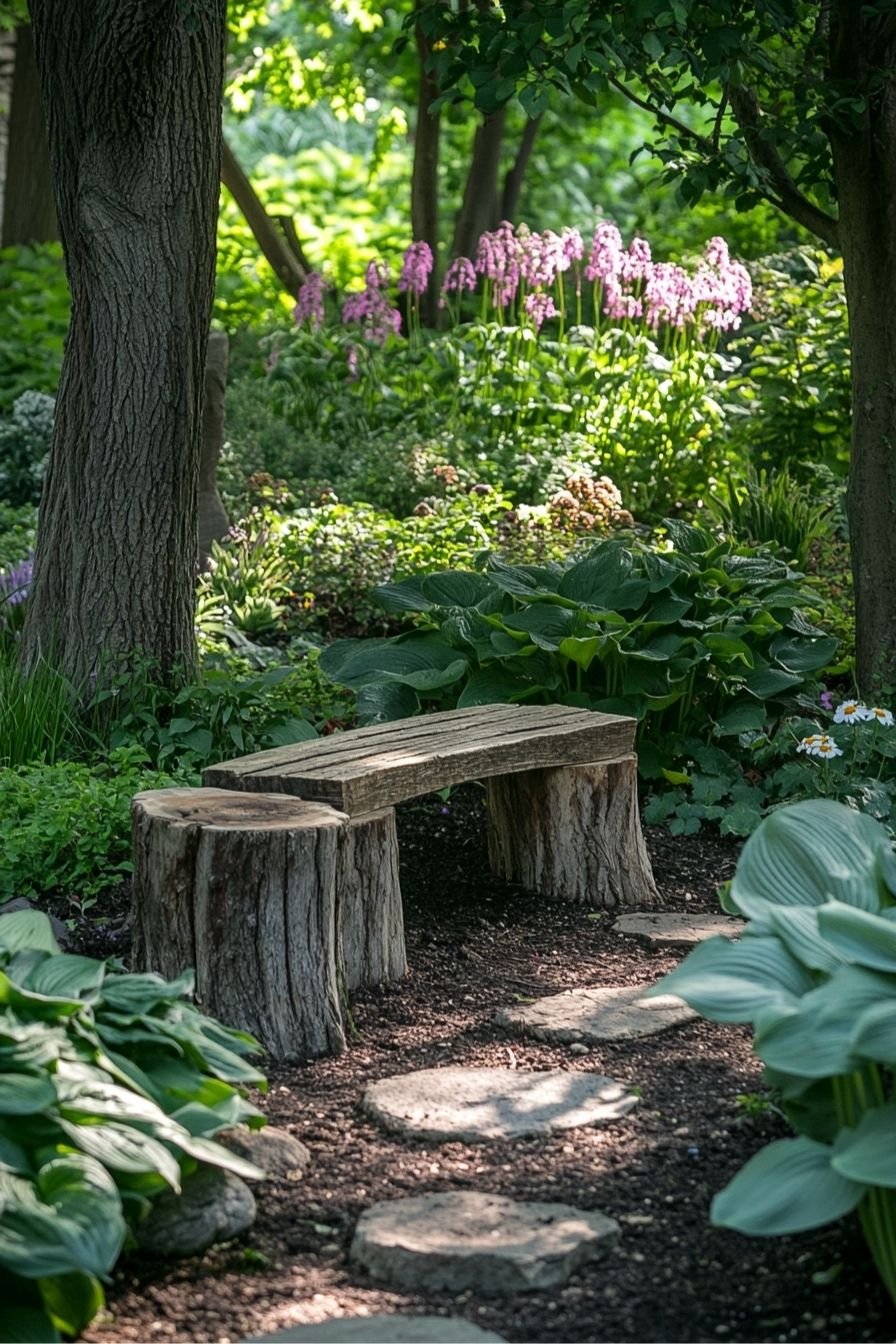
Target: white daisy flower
{"x":851,"y":711}
{"x":808,"y":744}
{"x":883,"y":716}
{"x":827,"y":748}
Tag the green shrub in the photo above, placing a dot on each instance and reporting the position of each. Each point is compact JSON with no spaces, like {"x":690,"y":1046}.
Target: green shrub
{"x":36,"y":313}
{"x":18,"y":527}
{"x":707,"y":638}
{"x":771,"y":507}
{"x":815,"y":973}
{"x":25,"y":437}
{"x":112,"y":1087}
{"x":39,"y":720}
{"x":66,"y":826}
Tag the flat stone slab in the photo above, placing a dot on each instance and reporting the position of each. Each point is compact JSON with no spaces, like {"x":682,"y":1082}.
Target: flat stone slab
{"x":484,"y":1105}
{"x":593,"y":1015}
{"x":278,"y":1154}
{"x":388,"y":1329}
{"x":464,"y":1240}
{"x":677,"y":930}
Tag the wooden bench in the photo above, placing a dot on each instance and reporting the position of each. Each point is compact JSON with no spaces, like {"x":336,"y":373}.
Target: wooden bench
{"x":561,"y":793}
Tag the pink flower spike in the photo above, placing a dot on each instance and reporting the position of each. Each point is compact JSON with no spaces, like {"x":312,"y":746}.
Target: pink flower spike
{"x":416,"y":268}
{"x":310,"y":301}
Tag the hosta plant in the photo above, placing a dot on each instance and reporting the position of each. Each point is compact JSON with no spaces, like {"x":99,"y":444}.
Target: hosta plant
{"x":708,"y":637}
{"x":112,"y":1087}
{"x":815,"y":974}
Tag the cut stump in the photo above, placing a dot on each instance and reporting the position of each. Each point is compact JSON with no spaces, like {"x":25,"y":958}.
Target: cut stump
{"x":244,"y":888}
{"x":371,"y":923}
{"x":572,"y":833}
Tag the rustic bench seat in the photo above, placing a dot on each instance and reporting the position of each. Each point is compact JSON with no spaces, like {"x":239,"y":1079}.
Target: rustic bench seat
{"x":561,"y":795}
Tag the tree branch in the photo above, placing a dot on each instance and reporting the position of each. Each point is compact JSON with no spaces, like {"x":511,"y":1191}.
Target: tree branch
{"x":275,"y":248}
{"x":782,"y":190}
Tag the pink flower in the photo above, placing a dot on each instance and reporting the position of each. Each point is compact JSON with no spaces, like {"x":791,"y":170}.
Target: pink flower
{"x":351,"y":358}
{"x":539,"y":307}
{"x":498,"y":256}
{"x":606,"y":253}
{"x":377,"y":275}
{"x":310,"y":301}
{"x":371,"y":309}
{"x":416,"y":268}
{"x":460,"y":275}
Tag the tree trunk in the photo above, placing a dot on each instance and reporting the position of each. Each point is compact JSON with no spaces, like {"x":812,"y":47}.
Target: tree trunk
{"x":29,"y":214}
{"x":425,"y":178}
{"x":213,"y":520}
{"x":572,"y":833}
{"x":371,"y":924}
{"x":513,"y":180}
{"x":7,"y":70}
{"x":864,"y":57}
{"x":274,"y":246}
{"x":243,"y":888}
{"x":132,"y":96}
{"x":479,"y":209}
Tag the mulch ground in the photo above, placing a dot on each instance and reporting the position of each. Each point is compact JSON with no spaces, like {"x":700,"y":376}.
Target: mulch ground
{"x":476,"y":944}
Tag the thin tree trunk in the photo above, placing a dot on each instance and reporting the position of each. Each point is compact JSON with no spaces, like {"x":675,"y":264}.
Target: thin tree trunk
{"x":213,"y":520}
{"x":513,"y":179}
{"x":274,"y":246}
{"x":479,"y":209}
{"x":425,"y":178}
{"x":864,"y":56}
{"x":132,"y":95}
{"x":29,"y":213}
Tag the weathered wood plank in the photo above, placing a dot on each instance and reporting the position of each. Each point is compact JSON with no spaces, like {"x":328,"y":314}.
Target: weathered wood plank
{"x":368,"y":768}
{"x":572,"y":834}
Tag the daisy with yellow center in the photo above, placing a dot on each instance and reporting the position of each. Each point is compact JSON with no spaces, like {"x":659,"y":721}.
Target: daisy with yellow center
{"x":808,"y":744}
{"x":827,"y":748}
{"x":851,"y":711}
{"x":882,"y":716}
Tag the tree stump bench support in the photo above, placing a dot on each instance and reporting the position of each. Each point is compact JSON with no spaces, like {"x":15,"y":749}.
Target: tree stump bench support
{"x":280,"y":905}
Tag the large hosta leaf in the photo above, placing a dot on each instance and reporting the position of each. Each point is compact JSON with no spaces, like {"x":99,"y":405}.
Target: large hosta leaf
{"x":859,"y":935}
{"x":455,"y":588}
{"x":789,"y":1186}
{"x":385,"y":701}
{"x":815,"y":1039}
{"x":70,"y":1220}
{"x":123,"y":1148}
{"x":734,"y":982}
{"x":810,"y":853}
{"x":868,"y":1152}
{"x":27,"y":928}
{"x":25,"y":1094}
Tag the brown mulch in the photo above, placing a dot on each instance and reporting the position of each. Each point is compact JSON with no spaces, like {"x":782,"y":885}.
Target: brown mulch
{"x":475,"y":944}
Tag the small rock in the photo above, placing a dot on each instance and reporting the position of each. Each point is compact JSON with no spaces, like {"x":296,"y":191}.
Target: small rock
{"x":280,"y":1156}
{"x":677,"y":930}
{"x":577,"y":1048}
{"x":214,"y":1206}
{"x":483,"y":1243}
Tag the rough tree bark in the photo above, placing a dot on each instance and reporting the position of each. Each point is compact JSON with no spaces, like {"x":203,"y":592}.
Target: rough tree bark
{"x":213,"y":520}
{"x":479,"y":208}
{"x":572,"y":833}
{"x":425,"y":177}
{"x":29,"y":212}
{"x":863,"y":56}
{"x":132,"y":97}
{"x":370,"y":918}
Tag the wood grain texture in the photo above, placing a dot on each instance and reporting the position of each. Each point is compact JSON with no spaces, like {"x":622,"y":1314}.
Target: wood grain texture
{"x":370,"y":919}
{"x":572,"y":834}
{"x":369,"y":768}
{"x":244,"y":889}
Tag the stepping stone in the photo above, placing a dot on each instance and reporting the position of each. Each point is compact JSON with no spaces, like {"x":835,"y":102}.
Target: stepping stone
{"x":388,"y":1329}
{"x":480,"y":1105}
{"x":677,"y":930}
{"x":593,"y":1015}
{"x":462,"y":1241}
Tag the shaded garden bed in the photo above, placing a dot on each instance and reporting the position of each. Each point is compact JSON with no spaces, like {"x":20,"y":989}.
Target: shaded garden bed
{"x":474,"y":945}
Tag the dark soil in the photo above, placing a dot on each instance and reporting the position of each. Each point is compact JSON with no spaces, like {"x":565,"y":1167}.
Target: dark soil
{"x":475,"y":944}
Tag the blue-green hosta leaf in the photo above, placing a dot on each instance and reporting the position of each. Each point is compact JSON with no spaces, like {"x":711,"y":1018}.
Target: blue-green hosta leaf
{"x":143,"y":991}
{"x":123,"y":1148}
{"x":66,"y":976}
{"x":27,"y":928}
{"x":69,"y":1220}
{"x":494,"y":685}
{"x":430,"y":678}
{"x":371,"y":659}
{"x":25,"y":1094}
{"x":799,"y":654}
{"x":605,"y":580}
{"x":868,"y":1152}
{"x":525,"y":581}
{"x":287,"y":731}
{"x":815,"y":1039}
{"x":742,"y":717}
{"x":874,"y":1032}
{"x":859,"y":935}
{"x":206,"y":1150}
{"x":13,"y":1157}
{"x":400,"y":597}
{"x":768,"y":681}
{"x":810,"y":853}
{"x":789,"y":1186}
{"x":733,"y":982}
{"x":798,"y":928}
{"x":83,"y":1099}
{"x":456,"y":588}
{"x":384,"y":702}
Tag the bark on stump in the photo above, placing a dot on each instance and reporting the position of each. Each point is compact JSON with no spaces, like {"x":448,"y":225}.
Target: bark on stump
{"x":572,"y":833}
{"x":243,"y":887}
{"x":371,"y":923}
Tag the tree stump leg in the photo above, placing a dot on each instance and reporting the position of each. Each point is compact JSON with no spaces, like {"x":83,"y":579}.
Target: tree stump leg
{"x":370,"y":920}
{"x":572,"y":833}
{"x":243,"y":887}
